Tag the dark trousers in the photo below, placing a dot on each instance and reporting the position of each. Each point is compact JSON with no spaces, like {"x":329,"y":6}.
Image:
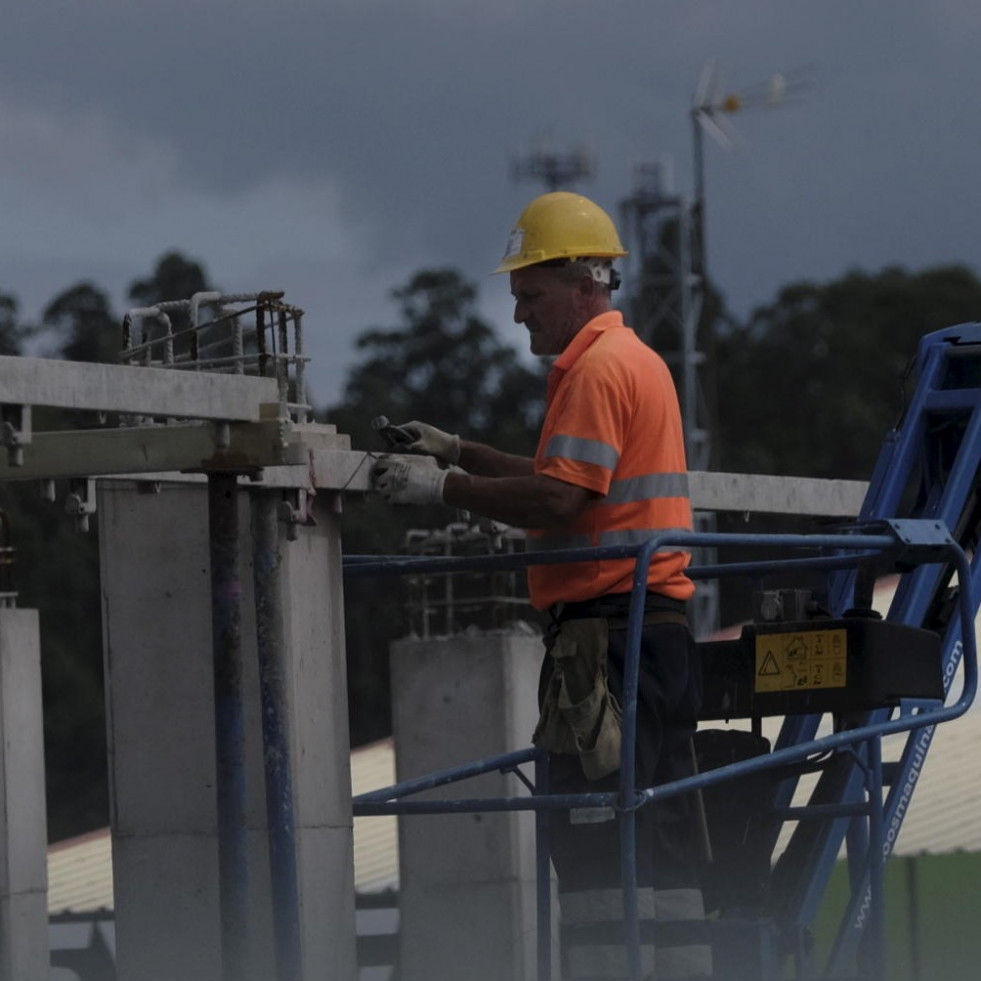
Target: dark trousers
{"x":668,"y":699}
{"x":586,"y":854}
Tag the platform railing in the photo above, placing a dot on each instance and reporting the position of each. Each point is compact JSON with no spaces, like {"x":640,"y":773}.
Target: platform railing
{"x":910,"y":542}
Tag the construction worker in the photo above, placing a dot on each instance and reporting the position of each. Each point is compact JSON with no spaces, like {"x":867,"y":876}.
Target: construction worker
{"x":610,"y":469}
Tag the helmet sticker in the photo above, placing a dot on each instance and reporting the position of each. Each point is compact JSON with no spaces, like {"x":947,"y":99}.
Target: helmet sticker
{"x":516,"y":241}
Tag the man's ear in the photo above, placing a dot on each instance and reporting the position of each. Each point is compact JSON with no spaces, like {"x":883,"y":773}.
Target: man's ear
{"x":587,"y":287}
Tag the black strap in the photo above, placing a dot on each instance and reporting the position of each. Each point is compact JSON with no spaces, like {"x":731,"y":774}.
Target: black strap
{"x":616,"y":606}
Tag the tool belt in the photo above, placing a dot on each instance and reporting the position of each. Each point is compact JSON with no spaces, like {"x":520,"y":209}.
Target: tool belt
{"x":579,"y":713}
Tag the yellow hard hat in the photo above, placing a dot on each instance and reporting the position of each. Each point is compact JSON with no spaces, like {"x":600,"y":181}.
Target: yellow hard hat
{"x":560,"y":225}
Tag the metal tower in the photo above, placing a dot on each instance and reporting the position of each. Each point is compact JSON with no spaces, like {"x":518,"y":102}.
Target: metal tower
{"x":667,"y":280}
{"x":667,"y":292}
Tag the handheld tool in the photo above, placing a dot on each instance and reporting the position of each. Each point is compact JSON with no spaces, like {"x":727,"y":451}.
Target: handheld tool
{"x":395,"y":437}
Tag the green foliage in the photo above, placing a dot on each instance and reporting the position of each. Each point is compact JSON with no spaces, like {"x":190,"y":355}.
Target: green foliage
{"x":175,"y":277}
{"x":57,"y":573}
{"x":443,"y":365}
{"x":12,"y":332}
{"x":83,"y":324}
{"x":810,"y":385}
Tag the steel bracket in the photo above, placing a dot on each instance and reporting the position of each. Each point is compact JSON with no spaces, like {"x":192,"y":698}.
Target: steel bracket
{"x":294,"y":510}
{"x":15,"y":431}
{"x":80,"y":501}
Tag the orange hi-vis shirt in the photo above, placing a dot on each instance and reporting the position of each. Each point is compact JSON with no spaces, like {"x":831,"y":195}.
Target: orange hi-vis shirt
{"x":613,"y":425}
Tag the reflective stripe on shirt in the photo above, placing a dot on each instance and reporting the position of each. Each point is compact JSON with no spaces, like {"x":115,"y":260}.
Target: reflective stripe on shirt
{"x":625,"y":536}
{"x":647,"y":487}
{"x":584,"y":451}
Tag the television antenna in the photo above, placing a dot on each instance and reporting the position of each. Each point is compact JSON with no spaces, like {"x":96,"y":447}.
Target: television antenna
{"x":712,"y":108}
{"x":554,"y":168}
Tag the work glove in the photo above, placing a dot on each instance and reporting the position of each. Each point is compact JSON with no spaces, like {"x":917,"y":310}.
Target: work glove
{"x":402,"y":481}
{"x":429,"y":441}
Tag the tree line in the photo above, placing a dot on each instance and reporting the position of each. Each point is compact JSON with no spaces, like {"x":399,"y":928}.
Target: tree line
{"x":807,"y":385}
{"x":56,"y":568}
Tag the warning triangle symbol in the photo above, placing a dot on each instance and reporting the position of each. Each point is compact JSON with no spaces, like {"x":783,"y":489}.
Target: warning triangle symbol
{"x":769,"y":665}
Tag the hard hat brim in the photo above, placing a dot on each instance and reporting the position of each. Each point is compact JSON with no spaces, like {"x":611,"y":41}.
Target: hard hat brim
{"x":523,"y":261}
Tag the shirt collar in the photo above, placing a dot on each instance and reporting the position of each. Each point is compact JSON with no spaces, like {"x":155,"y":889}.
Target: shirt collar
{"x":588,"y":333}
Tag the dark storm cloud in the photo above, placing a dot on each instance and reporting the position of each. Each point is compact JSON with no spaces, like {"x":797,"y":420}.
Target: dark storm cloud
{"x":409,"y":114}
{"x":413,"y":109}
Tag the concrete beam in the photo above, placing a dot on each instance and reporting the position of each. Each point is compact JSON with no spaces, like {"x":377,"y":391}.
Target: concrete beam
{"x":350,"y":470}
{"x":311,"y":455}
{"x":162,"y":449}
{"x":140,"y":391}
{"x":767,"y":494}
{"x":235,"y":398}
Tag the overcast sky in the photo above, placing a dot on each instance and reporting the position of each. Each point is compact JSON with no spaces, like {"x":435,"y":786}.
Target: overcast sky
{"x":332,"y":148}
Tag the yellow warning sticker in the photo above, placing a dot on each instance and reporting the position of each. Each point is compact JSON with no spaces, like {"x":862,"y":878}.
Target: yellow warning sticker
{"x":803,"y":659}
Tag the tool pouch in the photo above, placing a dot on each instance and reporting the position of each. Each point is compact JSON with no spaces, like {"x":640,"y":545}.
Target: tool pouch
{"x":579,"y":714}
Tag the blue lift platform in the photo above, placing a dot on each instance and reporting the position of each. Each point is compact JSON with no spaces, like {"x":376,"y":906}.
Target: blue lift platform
{"x":841,"y":678}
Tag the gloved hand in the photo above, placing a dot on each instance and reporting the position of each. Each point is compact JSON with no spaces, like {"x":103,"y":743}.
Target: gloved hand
{"x":402,"y":481}
{"x":430,"y":441}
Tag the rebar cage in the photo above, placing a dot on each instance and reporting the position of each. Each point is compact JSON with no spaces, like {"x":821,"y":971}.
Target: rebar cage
{"x":233,"y":333}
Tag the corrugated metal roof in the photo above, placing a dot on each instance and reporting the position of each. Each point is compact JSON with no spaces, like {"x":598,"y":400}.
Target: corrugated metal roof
{"x":80,"y":874}
{"x":80,"y":869}
{"x":376,"y":845}
{"x":945,"y":812}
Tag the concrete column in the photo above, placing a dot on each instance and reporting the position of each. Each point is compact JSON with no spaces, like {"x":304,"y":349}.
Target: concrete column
{"x":313,"y":608}
{"x":159,"y":690}
{"x":23,"y":818}
{"x":467,"y":884}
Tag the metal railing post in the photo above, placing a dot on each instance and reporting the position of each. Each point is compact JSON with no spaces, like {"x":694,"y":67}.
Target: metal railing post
{"x":877,"y":864}
{"x":226,"y":623}
{"x":627,"y":803}
{"x":543,"y":878}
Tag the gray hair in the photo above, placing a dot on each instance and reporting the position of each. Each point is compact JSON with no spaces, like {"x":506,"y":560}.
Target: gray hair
{"x":599,"y":270}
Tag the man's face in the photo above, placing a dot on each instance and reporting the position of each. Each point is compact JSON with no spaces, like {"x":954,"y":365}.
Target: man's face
{"x":550,"y":306}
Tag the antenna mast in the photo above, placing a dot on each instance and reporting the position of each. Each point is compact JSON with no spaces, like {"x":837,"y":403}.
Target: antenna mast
{"x":669,"y":284}
{"x":554,"y":169}
{"x":711,"y":109}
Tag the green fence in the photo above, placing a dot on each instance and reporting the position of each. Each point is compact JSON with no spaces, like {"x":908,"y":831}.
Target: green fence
{"x":933,"y":916}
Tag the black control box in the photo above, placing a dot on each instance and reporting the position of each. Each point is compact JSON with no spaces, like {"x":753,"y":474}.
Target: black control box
{"x":821,"y":665}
